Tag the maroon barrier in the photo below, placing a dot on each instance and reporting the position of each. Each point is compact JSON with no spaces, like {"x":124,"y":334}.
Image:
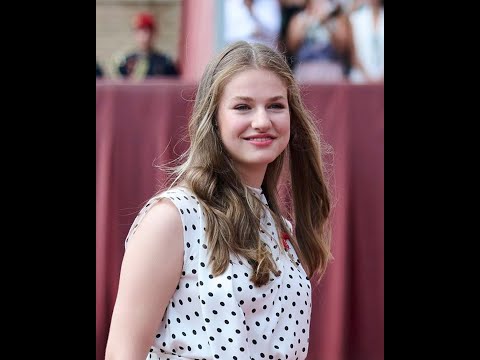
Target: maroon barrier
{"x":141,"y":125}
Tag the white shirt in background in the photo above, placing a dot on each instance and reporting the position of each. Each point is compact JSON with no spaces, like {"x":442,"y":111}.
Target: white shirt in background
{"x":369,"y":43}
{"x":240,"y":25}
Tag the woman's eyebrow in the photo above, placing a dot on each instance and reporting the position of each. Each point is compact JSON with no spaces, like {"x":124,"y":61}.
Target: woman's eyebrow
{"x":247,"y":98}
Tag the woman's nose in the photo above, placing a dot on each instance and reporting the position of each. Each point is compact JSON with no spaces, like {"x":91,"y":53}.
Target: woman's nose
{"x":261,"y":120}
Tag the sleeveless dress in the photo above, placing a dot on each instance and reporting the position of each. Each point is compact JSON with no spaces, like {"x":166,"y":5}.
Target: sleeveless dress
{"x":227,"y":317}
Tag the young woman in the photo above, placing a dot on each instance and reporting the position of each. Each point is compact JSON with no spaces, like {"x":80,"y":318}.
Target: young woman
{"x":212,"y":270}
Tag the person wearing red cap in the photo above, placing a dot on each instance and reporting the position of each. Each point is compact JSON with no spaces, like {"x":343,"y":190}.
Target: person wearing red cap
{"x":146,"y":61}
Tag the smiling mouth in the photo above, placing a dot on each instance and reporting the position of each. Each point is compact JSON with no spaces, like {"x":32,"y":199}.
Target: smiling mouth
{"x":263,"y":138}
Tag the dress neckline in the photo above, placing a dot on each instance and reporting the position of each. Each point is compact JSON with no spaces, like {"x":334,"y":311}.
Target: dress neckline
{"x":257,"y":191}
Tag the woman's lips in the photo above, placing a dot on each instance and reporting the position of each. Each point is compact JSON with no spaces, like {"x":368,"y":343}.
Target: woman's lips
{"x":260,"y":140}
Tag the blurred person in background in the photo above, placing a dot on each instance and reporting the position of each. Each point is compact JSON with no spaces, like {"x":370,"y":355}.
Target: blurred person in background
{"x":99,"y":71}
{"x":145,"y":61}
{"x":320,"y":37}
{"x":288,"y":9}
{"x":252,"y":21}
{"x":368,"y":35}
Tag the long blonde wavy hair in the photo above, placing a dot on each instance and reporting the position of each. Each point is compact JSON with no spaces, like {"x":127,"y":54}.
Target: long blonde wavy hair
{"x":231,"y":212}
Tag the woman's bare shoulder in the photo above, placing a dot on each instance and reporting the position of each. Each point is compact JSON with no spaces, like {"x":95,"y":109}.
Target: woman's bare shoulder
{"x":160,"y":224}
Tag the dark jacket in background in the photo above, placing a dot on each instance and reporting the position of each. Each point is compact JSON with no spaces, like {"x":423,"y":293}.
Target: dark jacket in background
{"x":158,"y":64}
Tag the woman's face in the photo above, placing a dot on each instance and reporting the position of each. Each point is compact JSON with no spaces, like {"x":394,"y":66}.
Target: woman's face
{"x":254,"y":120}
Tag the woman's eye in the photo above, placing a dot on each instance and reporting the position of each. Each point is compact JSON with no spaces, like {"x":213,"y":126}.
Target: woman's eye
{"x":242,"y":107}
{"x":277,"y":106}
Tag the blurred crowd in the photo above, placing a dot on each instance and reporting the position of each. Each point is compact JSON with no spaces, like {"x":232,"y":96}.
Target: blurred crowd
{"x":323,"y":40}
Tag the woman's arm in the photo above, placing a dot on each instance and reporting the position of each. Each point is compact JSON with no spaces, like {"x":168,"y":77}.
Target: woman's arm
{"x":151,"y":269}
{"x":296,"y":31}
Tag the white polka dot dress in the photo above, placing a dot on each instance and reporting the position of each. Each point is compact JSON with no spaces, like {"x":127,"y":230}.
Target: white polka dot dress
{"x":227,"y":317}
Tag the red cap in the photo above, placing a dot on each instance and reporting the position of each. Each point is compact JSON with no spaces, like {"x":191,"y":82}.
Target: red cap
{"x":144,"y":20}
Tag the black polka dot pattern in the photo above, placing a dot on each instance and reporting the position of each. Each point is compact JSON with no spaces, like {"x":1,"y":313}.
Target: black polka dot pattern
{"x":226,"y":317}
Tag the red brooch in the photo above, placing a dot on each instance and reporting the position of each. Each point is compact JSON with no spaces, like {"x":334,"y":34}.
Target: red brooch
{"x":285,"y":237}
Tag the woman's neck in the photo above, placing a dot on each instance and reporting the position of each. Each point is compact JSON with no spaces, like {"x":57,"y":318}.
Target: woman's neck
{"x":253,"y":181}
